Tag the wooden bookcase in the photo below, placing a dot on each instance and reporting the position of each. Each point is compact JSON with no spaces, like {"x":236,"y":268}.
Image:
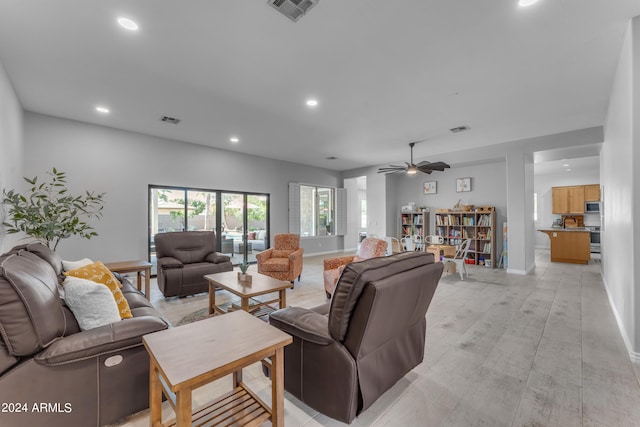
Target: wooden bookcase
{"x":416,"y":220}
{"x":478,"y":225}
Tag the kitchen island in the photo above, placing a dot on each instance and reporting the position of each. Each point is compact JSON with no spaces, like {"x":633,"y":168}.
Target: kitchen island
{"x":569,"y":244}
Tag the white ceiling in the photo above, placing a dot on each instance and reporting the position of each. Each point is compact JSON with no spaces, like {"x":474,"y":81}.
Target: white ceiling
{"x":385,"y":73}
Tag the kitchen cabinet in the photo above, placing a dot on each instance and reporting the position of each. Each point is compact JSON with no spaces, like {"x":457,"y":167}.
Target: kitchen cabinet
{"x":572,"y":246}
{"x":568,"y":200}
{"x":560,"y":200}
{"x":592,"y":193}
{"x":576,"y":199}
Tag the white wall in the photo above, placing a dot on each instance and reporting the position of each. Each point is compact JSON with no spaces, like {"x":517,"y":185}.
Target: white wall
{"x":618,"y":165}
{"x":353,"y":213}
{"x":11,"y":149}
{"x":123,"y":164}
{"x":488,"y":188}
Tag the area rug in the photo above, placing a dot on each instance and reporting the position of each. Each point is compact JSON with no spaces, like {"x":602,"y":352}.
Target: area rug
{"x":199,"y":314}
{"x":203,"y":313}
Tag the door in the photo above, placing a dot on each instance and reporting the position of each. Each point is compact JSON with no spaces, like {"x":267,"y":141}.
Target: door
{"x":240,"y":220}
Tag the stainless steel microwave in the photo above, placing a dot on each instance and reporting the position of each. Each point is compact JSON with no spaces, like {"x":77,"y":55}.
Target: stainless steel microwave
{"x":592,"y":207}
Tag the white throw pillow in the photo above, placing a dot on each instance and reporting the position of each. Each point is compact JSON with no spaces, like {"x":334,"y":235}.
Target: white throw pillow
{"x":92,"y":303}
{"x":260,"y":234}
{"x":72,"y":265}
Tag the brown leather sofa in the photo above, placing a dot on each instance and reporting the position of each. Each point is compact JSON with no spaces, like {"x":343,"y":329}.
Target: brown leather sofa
{"x":51,"y":372}
{"x":184,"y":257}
{"x":347,"y":353}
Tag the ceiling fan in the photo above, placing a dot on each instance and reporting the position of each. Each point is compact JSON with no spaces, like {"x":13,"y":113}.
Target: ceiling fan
{"x":412,"y":168}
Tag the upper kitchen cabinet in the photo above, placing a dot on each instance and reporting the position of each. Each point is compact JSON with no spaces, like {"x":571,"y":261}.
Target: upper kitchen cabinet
{"x":576,"y":199}
{"x":568,"y":199}
{"x":592,"y":193}
{"x":560,"y":200}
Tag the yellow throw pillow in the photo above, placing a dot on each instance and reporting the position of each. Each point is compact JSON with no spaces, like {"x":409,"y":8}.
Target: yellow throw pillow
{"x":99,"y":273}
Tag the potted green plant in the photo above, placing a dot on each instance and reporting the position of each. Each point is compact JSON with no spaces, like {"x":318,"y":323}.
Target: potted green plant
{"x":48,"y":213}
{"x":242,"y":274}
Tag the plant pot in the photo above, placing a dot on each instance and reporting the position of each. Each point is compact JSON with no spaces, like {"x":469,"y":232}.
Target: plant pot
{"x":243,"y":277}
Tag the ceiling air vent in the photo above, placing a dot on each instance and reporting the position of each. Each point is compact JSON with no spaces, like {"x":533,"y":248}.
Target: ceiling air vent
{"x":460,"y":129}
{"x":293,"y":9}
{"x":171,"y":120}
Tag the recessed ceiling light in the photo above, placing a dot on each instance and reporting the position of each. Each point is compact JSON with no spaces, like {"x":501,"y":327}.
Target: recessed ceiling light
{"x":312,"y":102}
{"x":568,"y":170}
{"x":566,"y":165}
{"x":128,"y":24}
{"x":525,"y":3}
{"x":234,"y":139}
{"x":101,"y":109}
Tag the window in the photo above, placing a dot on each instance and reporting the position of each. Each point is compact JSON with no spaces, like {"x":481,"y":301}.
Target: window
{"x":316,"y":211}
{"x":363,"y":214}
{"x":535,"y":206}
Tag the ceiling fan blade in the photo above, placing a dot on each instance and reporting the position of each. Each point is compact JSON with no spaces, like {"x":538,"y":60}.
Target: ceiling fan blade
{"x":390,"y":171}
{"x":423,"y":163}
{"x":437,"y":166}
{"x":440,"y":165}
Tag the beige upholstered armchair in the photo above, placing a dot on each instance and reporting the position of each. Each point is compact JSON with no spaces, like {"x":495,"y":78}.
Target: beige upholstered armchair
{"x":284,"y":260}
{"x":370,"y":247}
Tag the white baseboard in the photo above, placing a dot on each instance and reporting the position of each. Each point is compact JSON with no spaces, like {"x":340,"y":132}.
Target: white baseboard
{"x":326,"y":253}
{"x":634,"y":356}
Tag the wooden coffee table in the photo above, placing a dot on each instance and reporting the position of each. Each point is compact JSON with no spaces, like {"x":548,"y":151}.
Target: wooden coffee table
{"x":260,"y":285}
{"x":190,"y":356}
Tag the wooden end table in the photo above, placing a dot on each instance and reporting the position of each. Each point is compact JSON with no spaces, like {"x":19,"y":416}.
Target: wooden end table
{"x":187,"y":357}
{"x":138,"y":267}
{"x":260,"y":285}
{"x":445,"y":250}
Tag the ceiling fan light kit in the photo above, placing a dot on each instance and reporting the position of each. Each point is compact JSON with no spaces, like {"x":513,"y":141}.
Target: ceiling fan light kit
{"x":412,"y":168}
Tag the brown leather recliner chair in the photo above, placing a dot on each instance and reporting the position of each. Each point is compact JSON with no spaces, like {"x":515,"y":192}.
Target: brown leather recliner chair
{"x":347,"y":353}
{"x":184,"y":258}
{"x":56,"y":374}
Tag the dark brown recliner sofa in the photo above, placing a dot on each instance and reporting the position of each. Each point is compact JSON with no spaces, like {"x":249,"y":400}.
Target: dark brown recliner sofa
{"x":184,"y":258}
{"x":347,"y":353}
{"x":51,"y":372}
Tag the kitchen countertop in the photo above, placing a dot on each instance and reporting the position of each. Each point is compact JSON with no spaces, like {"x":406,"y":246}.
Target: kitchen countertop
{"x":571,"y":229}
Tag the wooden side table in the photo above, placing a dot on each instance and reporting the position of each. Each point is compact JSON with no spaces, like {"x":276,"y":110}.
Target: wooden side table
{"x":196,"y":354}
{"x":138,"y":267}
{"x":445,"y":250}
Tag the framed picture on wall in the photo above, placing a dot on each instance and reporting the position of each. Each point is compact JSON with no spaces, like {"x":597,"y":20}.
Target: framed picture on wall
{"x":430,"y":187}
{"x":463,"y":185}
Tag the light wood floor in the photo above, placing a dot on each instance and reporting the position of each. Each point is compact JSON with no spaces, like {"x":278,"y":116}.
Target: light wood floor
{"x":501,"y":350}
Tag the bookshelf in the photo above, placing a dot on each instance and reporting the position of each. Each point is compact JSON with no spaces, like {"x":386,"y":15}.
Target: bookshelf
{"x":414,"y":223}
{"x":478,"y":225}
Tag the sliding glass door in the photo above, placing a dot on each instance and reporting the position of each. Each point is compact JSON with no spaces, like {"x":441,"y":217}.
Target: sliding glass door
{"x":240,"y":220}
